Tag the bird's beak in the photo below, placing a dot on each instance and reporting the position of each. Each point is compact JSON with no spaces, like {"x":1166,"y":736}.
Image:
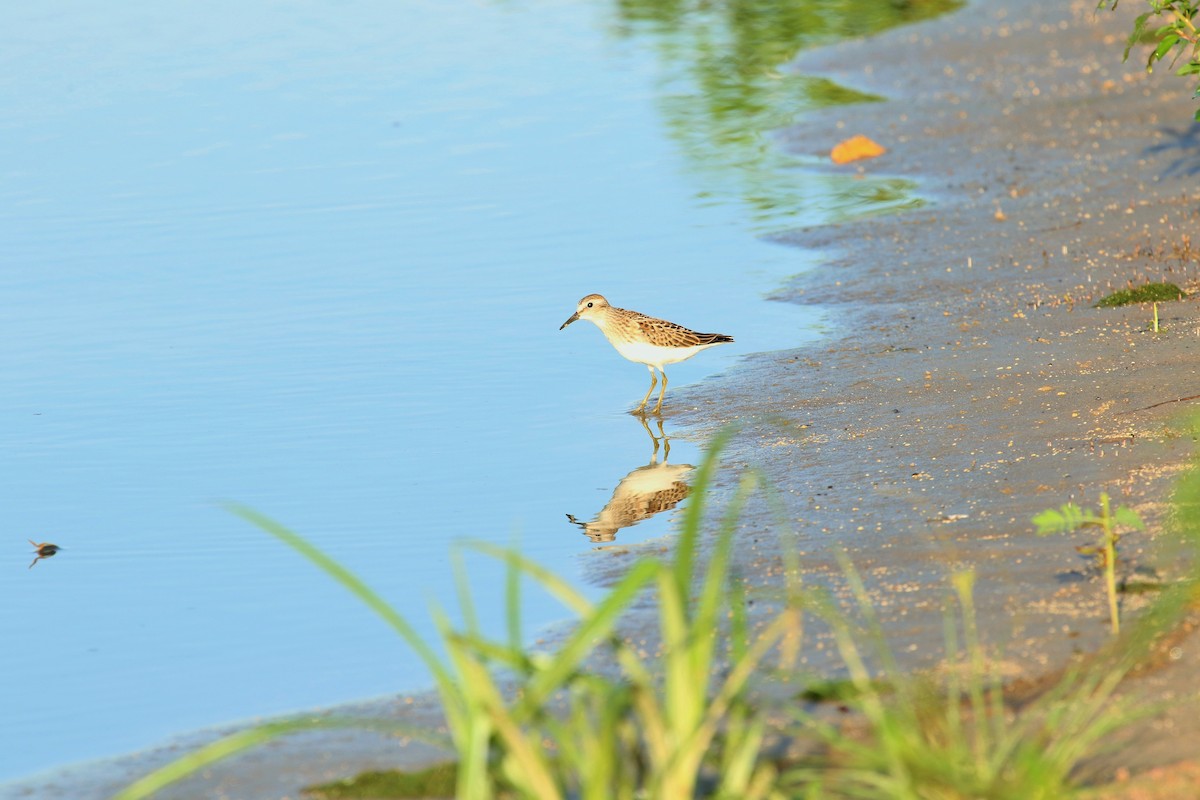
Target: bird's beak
{"x":574,"y":317}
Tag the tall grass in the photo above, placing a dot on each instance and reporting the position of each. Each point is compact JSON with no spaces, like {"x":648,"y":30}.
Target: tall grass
{"x":960,"y":739}
{"x":965,"y":738}
{"x":544,"y":725}
{"x":681,"y":725}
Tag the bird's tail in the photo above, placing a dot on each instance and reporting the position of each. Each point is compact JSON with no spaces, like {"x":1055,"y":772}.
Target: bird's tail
{"x":713,"y":338}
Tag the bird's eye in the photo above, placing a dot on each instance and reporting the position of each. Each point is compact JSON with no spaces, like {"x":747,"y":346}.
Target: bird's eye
{"x":589,"y":305}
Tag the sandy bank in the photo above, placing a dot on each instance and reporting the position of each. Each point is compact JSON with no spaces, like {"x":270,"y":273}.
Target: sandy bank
{"x":967,"y":382}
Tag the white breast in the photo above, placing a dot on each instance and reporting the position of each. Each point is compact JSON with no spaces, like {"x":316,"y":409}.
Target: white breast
{"x":654,"y":355}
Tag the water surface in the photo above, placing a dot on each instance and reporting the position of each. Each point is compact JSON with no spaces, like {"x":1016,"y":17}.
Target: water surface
{"x":313,"y":259}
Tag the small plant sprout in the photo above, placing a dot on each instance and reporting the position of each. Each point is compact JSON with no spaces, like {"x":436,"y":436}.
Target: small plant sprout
{"x":1156,"y":317}
{"x":1106,"y":522}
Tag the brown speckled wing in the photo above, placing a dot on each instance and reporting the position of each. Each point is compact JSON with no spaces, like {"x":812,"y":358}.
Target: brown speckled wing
{"x":668,"y":334}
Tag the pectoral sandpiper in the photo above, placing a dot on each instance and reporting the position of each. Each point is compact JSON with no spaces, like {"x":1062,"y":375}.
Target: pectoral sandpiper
{"x":646,"y":340}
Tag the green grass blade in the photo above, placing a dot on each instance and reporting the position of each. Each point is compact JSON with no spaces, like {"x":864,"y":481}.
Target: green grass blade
{"x":964,"y":583}
{"x":555,"y":585}
{"x":462,"y":587}
{"x":524,"y":747}
{"x":684,"y":695}
{"x":713,"y":591}
{"x":512,"y":601}
{"x":739,"y":630}
{"x":954,"y":721}
{"x":590,"y":632}
{"x":209,"y":754}
{"x":867,"y":611}
{"x":512,"y":658}
{"x":693,"y":515}
{"x":235,"y":743}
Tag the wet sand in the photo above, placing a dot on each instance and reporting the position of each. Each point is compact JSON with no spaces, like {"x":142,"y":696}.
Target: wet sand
{"x":966,"y":382}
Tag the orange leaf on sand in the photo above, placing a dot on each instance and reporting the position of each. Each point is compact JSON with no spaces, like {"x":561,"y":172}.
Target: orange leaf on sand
{"x":854,"y":148}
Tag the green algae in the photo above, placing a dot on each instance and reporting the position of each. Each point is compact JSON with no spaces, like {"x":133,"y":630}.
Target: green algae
{"x":1147,"y":293}
{"x":839,"y":690}
{"x":436,"y":781}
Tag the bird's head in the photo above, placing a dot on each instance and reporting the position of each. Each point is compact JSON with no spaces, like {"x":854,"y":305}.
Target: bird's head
{"x":588,"y":308}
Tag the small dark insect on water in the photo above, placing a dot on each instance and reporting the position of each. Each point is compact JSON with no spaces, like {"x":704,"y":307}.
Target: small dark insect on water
{"x":44,"y":550}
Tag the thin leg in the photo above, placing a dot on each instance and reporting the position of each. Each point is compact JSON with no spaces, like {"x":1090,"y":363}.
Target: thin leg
{"x":653,"y":438}
{"x":653,"y":383}
{"x":661,"y":391}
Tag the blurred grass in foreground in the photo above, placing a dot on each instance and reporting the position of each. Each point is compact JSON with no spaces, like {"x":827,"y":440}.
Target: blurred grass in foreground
{"x":547,"y":725}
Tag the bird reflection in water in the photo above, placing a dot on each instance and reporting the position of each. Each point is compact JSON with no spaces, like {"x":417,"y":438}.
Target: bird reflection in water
{"x":642,"y":493}
{"x":43,"y":550}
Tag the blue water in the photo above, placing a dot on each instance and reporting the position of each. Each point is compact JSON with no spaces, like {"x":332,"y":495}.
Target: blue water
{"x":313,"y":258}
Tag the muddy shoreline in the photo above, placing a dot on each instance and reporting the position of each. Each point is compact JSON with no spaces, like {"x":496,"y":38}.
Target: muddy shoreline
{"x":966,"y":382}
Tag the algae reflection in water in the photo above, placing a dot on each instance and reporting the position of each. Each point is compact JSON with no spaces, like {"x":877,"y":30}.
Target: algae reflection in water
{"x":725,"y":86}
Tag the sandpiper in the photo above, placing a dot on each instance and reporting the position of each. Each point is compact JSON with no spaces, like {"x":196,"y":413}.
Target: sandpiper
{"x":646,"y":340}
